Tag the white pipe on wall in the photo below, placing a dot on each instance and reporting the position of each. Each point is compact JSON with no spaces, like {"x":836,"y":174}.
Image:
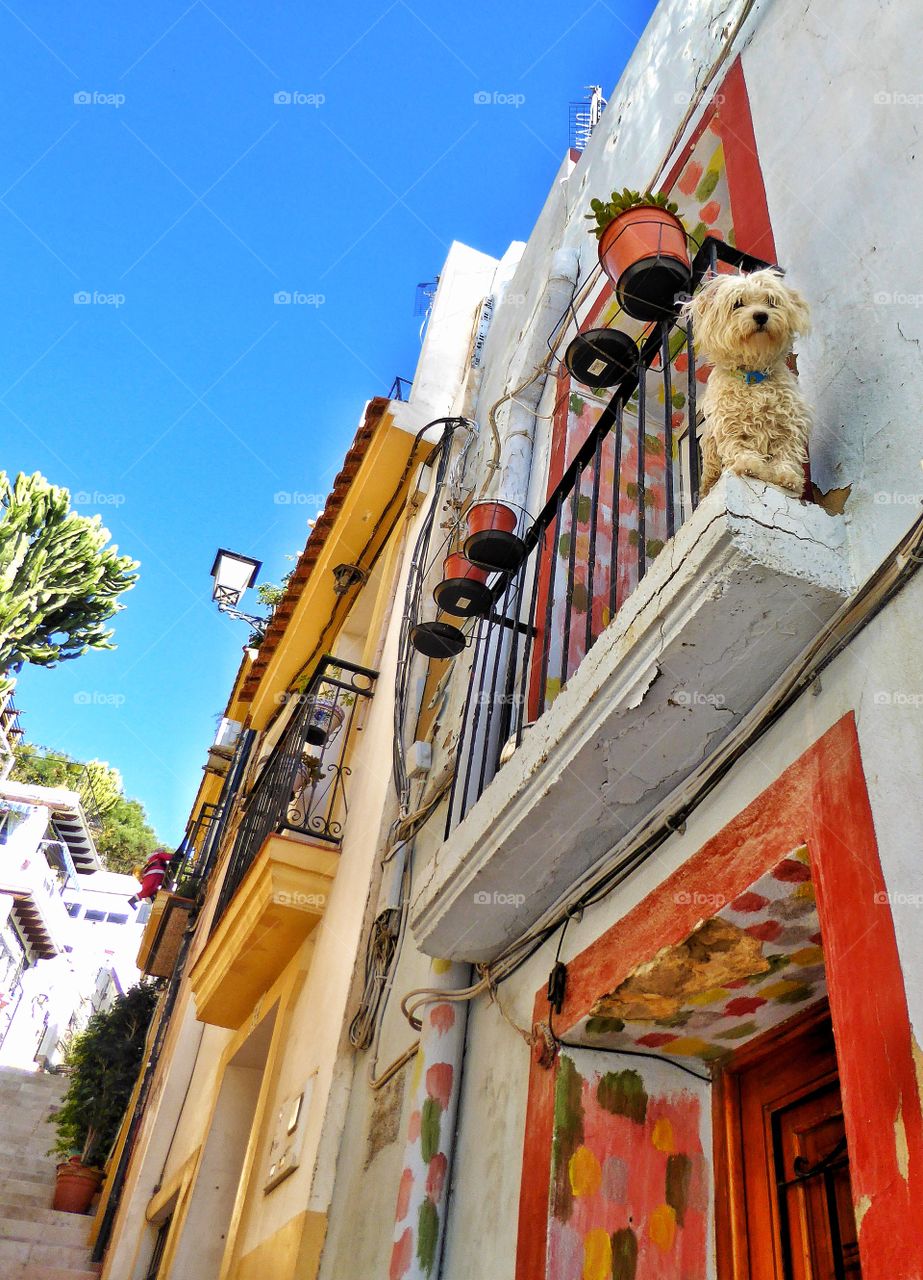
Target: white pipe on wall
{"x":528,"y":376}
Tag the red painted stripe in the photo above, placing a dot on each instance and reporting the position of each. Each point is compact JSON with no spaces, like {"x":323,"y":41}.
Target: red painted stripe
{"x":532,"y":1244}
{"x":868,"y":1007}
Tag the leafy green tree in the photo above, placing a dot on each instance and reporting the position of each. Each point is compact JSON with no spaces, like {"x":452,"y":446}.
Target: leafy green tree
{"x":103,"y":1063}
{"x":127,"y":839}
{"x":59,"y":581}
{"x":40,"y":767}
{"x":270,"y":594}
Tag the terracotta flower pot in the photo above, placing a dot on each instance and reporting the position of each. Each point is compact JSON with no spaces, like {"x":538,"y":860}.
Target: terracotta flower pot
{"x":458,"y":566}
{"x":491,"y":515}
{"x":463,"y":590}
{"x":644,"y":253}
{"x":76,"y":1186}
{"x":491,"y":543}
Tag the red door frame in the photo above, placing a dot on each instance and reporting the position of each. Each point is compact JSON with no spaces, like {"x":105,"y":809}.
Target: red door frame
{"x":822,"y":801}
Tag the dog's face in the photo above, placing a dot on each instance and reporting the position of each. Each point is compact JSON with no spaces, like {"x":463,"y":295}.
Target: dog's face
{"x":747,"y":321}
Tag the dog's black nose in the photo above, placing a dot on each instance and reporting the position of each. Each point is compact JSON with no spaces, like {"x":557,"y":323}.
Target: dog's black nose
{"x":760,"y":318}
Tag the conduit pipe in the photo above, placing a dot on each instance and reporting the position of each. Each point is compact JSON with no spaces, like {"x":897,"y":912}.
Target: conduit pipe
{"x":423,"y":1191}
{"x":514,"y":439}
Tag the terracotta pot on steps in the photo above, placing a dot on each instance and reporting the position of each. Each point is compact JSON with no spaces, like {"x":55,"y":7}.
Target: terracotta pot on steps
{"x":76,"y":1186}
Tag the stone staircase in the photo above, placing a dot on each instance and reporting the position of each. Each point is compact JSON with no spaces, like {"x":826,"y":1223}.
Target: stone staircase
{"x":36,"y":1241}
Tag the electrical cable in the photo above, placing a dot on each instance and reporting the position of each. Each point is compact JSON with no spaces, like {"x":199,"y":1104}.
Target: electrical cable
{"x":630,"y":1053}
{"x":387,"y":931}
{"x":412,"y":599}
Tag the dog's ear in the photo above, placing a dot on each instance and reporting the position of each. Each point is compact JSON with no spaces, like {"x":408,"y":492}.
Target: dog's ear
{"x":799,"y":311}
{"x":702,"y":309}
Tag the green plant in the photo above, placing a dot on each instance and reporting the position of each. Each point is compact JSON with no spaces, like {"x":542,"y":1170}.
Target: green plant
{"x":59,"y":581}
{"x":328,"y":692}
{"x":126,"y":838}
{"x":187,"y":886}
{"x":101,"y":785}
{"x":602,"y":212}
{"x":102,"y":1063}
{"x":270,"y":594}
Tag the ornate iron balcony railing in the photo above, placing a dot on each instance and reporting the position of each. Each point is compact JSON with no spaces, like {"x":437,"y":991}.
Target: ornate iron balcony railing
{"x":630,"y":485}
{"x":302,"y":786}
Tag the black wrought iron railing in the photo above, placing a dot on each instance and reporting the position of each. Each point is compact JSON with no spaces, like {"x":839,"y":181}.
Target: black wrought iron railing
{"x":630,"y":485}
{"x":303,"y":785}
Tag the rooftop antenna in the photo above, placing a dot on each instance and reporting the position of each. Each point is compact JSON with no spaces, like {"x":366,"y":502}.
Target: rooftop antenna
{"x":585,"y":116}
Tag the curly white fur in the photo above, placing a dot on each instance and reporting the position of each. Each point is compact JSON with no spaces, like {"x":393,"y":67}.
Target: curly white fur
{"x":759,"y":428}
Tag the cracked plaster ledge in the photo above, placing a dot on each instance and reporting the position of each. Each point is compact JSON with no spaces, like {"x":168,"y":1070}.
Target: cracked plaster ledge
{"x":746,"y":583}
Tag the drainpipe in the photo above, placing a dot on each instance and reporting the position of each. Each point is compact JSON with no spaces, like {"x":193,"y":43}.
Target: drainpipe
{"x":423,"y":1193}
{"x":514,"y":440}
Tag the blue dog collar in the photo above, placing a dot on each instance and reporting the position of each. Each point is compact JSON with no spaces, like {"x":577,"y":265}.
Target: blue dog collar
{"x":751,"y":376}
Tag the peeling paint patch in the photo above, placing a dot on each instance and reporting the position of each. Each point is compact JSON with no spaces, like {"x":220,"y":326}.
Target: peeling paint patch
{"x":738,"y":973}
{"x":900,"y":1143}
{"x":917,"y":1064}
{"x":862,"y":1206}
{"x":716,"y":953}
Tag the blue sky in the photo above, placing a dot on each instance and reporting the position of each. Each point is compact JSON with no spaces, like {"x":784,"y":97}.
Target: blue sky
{"x":148,"y":164}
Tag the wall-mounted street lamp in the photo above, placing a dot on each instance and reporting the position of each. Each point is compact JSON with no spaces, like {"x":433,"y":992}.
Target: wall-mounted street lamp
{"x":233,"y":576}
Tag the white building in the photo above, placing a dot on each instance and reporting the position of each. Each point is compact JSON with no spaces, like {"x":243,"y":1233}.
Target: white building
{"x":68,"y":937}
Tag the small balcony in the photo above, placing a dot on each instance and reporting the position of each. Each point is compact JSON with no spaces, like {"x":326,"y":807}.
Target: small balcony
{"x":34,"y":879}
{"x":641,"y":626}
{"x":163,"y":933}
{"x":285,"y":852}
{"x":276,"y":908}
{"x":303,"y":787}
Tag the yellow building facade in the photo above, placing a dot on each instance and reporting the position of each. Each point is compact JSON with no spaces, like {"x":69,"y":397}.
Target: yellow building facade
{"x":225,"y":1164}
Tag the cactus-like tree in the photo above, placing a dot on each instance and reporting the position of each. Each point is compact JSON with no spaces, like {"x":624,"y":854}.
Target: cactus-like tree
{"x":102,"y":784}
{"x":59,"y":580}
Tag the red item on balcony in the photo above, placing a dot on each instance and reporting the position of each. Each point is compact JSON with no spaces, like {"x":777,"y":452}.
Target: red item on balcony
{"x":153,"y":874}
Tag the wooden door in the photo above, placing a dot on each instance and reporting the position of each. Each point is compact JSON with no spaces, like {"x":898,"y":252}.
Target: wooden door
{"x":781,"y":1150}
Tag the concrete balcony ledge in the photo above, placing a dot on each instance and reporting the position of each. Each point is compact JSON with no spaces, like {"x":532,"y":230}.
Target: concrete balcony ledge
{"x":728,"y":604}
{"x":275,"y":909}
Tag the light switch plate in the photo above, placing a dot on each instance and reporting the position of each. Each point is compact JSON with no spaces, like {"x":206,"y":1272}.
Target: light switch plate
{"x":288,"y":1136}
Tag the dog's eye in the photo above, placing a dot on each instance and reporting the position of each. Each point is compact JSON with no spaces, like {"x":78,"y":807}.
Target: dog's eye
{"x":738,"y":303}
{"x":771,"y":302}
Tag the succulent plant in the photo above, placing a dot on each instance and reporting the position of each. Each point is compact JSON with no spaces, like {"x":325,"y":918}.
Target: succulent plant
{"x":602,"y":212}
{"x":59,"y":580}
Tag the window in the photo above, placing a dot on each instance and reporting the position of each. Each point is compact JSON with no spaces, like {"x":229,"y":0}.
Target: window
{"x":73,"y":909}
{"x":160,"y":1244}
{"x":95,"y":916}
{"x":115,"y":917}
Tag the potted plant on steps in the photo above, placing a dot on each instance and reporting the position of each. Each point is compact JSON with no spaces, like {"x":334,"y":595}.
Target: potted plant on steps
{"x":102,"y":1063}
{"x":643,"y":250}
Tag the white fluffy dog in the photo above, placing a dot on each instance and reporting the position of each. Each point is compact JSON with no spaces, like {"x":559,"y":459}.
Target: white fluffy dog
{"x":756,"y":420}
